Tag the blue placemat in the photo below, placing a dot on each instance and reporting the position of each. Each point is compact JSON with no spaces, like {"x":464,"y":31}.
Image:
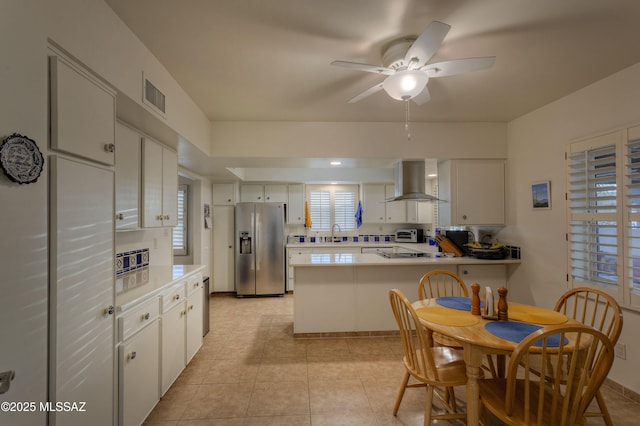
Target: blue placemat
{"x":456,"y":302}
{"x":516,"y":331}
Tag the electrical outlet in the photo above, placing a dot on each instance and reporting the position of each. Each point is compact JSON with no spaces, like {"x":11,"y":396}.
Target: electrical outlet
{"x":621,"y":350}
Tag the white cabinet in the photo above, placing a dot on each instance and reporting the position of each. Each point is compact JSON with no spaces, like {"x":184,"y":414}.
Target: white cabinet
{"x":224,"y":194}
{"x":396,"y":211}
{"x":82,"y":111}
{"x":195,"y":295}
{"x":295,"y":206}
{"x":494,"y":276}
{"x":173,"y":334}
{"x":275,"y":193}
{"x":290,"y":274}
{"x":127,"y":177}
{"x":81,"y":291}
{"x":223,"y":249}
{"x":138,"y":362}
{"x":420,"y":212}
{"x":159,"y":185}
{"x":473,"y":191}
{"x":250,"y":193}
{"x":373,"y":205}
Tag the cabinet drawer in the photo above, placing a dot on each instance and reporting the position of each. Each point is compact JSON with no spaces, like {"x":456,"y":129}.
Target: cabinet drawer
{"x":174,"y":295}
{"x":138,"y":317}
{"x":194,"y":283}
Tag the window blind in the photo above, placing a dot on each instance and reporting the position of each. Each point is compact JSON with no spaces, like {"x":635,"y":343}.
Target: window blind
{"x":180,"y":230}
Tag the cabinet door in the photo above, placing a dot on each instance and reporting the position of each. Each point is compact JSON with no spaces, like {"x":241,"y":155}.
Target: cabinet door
{"x":275,"y":193}
{"x":169,"y":188}
{"x":194,"y":321}
{"x":420,"y":212}
{"x":480,"y":192}
{"x":151,"y":184}
{"x":83,"y":113}
{"x":223,"y":249}
{"x":252,"y":193}
{"x":396,"y":211}
{"x":127,"y":177}
{"x":373,"y":196}
{"x":295,"y":207}
{"x":82,"y":298}
{"x":139,"y":381}
{"x":173,"y":344}
{"x":224,"y":194}
{"x":494,"y":276}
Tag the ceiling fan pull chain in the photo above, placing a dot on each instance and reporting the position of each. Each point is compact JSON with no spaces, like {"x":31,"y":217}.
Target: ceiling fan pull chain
{"x":406,"y":120}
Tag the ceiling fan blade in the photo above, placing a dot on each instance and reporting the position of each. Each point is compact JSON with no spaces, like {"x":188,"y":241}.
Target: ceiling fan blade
{"x":423,"y":97}
{"x":458,"y":66}
{"x":426,"y":44}
{"x":364,"y":67}
{"x":366,"y":93}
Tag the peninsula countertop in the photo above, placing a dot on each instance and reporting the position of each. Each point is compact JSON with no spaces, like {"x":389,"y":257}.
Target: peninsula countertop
{"x":374,"y":259}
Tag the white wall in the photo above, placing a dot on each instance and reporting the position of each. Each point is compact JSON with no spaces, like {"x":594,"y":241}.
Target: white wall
{"x":537,"y":142}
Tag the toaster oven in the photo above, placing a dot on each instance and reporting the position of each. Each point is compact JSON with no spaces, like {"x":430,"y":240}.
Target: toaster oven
{"x":412,"y":235}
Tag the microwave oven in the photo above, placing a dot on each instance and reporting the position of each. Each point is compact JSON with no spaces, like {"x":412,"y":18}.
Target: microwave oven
{"x":411,"y":235}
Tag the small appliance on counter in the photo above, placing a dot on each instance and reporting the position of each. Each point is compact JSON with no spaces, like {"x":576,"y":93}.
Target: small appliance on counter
{"x":409,"y":235}
{"x":461,"y":239}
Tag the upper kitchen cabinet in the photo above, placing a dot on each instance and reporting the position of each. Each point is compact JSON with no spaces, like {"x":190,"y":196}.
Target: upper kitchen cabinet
{"x":127,"y":178}
{"x":224,"y":194}
{"x":159,"y":185}
{"x":396,"y":212}
{"x":473,"y":192}
{"x":295,"y":206}
{"x":254,"y":193}
{"x":373,"y":206}
{"x":250,"y":193}
{"x":82,"y":113}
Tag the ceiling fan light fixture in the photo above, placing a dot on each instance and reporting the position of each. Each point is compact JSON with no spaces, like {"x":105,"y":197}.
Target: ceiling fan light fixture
{"x":405,"y":85}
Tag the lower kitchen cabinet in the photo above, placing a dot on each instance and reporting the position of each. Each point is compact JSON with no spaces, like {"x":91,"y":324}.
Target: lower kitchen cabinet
{"x":494,"y":276}
{"x":139,"y":378}
{"x":173,"y":338}
{"x":195,"y":295}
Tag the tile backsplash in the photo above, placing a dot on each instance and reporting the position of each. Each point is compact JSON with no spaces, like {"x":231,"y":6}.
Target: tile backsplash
{"x":131,"y":260}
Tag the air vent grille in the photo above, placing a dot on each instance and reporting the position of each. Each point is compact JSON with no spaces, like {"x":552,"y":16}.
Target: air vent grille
{"x":154,"y":96}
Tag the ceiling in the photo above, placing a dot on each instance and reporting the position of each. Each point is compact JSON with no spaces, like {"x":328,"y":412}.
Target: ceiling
{"x":257,"y":60}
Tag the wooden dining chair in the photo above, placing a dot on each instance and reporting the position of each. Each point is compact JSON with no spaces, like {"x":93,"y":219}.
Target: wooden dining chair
{"x":443,"y":283}
{"x":432,"y":366}
{"x":597,"y":309}
{"x":581,"y":357}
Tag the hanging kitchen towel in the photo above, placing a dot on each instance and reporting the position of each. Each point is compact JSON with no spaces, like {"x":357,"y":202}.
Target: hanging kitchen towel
{"x":307,"y":215}
{"x":359,"y":214}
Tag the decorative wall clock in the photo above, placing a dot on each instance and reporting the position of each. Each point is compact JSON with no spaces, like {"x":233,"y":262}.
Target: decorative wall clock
{"x":20,"y":158}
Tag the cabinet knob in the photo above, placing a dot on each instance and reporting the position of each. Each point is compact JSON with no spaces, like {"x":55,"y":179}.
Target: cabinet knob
{"x":109,"y":147}
{"x":110,"y":310}
{"x":146,"y":316}
{"x":133,"y":355}
{"x":191,"y":307}
{"x":183,"y":313}
{"x":464,"y":217}
{"x":229,"y":200}
{"x":120,"y":216}
{"x":159,"y":217}
{"x":176,"y":297}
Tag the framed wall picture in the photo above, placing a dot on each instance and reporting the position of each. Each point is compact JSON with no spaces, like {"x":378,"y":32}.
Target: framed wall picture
{"x":541,"y":195}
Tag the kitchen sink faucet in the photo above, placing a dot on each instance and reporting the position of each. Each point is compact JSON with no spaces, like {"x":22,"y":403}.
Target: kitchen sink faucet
{"x":333,"y":230}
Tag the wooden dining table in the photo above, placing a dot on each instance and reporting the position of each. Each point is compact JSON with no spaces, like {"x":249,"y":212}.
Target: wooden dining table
{"x":472,"y":334}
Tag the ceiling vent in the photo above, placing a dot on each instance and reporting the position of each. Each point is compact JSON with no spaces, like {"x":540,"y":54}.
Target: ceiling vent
{"x":153,"y":96}
{"x":410,"y":182}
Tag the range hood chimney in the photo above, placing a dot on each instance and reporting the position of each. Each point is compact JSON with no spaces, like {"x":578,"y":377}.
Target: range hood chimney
{"x":410,"y":182}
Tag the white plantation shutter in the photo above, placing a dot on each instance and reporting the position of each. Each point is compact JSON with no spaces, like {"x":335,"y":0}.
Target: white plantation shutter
{"x":632,"y":187}
{"x":345,"y":208}
{"x":332,"y":204}
{"x":180,"y":230}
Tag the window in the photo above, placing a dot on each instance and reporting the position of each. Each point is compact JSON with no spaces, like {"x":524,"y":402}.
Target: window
{"x":180,"y":230}
{"x":332,"y":204}
{"x":604,"y":214}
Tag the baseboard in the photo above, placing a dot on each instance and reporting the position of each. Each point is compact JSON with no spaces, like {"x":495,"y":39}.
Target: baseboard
{"x":623,"y":391}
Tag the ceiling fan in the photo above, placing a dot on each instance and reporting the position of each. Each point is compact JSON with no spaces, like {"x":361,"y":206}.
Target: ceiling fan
{"x":405,"y":64}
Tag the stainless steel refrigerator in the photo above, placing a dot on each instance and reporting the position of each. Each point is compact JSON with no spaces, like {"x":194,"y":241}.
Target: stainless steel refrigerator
{"x":260,"y":265}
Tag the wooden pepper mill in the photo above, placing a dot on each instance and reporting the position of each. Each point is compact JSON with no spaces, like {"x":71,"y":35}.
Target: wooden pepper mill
{"x":475,"y":299}
{"x":503,"y":308}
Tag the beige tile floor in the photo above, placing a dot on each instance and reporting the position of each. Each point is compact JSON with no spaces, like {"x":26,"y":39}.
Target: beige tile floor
{"x":252,"y":371}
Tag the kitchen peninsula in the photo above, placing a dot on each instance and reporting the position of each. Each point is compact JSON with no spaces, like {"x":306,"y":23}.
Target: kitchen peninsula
{"x":341,"y":292}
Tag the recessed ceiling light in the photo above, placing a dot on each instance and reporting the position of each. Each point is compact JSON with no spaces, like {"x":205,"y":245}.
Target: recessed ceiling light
{"x":336,"y":163}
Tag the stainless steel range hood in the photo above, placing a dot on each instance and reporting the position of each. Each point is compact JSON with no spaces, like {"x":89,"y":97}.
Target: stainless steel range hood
{"x":410,"y":182}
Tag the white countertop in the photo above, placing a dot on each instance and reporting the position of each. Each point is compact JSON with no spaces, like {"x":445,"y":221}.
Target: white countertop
{"x":373,"y":259}
{"x":150,"y":281}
